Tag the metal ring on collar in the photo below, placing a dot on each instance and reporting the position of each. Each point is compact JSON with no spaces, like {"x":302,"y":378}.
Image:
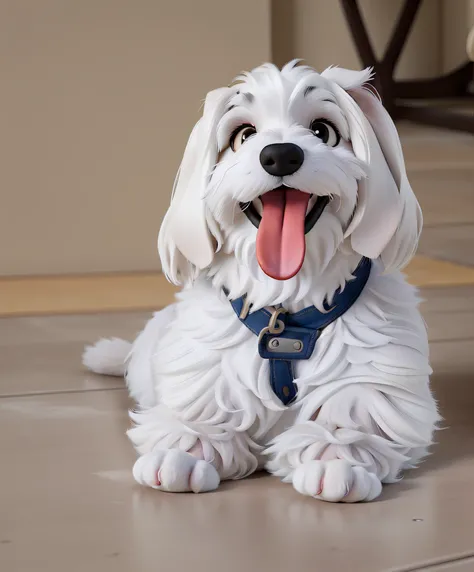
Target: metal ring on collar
{"x":275,"y":326}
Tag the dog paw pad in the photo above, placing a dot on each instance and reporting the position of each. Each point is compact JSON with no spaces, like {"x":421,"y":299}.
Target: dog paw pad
{"x":336,"y":481}
{"x":175,"y":471}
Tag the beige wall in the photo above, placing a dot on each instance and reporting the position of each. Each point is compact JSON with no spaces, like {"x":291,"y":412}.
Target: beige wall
{"x":97,"y":100}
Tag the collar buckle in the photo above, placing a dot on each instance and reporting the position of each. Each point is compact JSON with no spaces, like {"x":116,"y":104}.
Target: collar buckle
{"x":275,"y":326}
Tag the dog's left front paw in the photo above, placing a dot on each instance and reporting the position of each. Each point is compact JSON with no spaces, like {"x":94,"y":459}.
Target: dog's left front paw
{"x":336,"y":481}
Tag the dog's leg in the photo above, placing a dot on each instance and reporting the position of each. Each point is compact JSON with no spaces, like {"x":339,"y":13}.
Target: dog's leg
{"x":358,"y":439}
{"x":178,"y":456}
{"x":138,"y":374}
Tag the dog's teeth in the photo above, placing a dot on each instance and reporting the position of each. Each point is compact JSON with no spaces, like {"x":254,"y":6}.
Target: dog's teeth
{"x":311,"y":203}
{"x":257,"y":203}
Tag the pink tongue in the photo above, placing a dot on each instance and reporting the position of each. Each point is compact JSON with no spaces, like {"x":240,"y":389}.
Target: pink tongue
{"x":280,"y":238}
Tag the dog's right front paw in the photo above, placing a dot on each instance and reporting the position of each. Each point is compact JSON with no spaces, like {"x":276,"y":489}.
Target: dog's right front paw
{"x":175,"y":471}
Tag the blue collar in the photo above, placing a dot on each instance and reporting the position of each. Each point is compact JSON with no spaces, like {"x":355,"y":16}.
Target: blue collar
{"x":284,"y":337}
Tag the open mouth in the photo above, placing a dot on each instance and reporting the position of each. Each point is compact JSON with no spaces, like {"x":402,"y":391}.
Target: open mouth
{"x":282,"y":225}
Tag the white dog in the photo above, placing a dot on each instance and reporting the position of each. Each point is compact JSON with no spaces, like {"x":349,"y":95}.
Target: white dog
{"x":291,"y":218}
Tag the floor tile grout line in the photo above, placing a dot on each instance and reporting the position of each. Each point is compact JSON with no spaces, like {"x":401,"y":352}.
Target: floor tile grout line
{"x":60,"y":392}
{"x":103,"y":389}
{"x":433,"y":564}
{"x":447,"y":340}
{"x":447,"y":224}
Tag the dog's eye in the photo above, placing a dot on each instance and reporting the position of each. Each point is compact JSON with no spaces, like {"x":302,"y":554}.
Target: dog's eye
{"x":325,"y":130}
{"x":240,"y":136}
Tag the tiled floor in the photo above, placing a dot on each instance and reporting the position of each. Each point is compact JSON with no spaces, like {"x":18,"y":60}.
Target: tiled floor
{"x":67,"y":499}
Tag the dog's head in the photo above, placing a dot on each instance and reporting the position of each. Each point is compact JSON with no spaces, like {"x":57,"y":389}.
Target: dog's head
{"x":286,"y":168}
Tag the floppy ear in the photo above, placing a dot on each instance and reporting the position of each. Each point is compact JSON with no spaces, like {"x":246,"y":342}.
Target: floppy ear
{"x":402,"y":245}
{"x":387,"y":221}
{"x":185,"y":242}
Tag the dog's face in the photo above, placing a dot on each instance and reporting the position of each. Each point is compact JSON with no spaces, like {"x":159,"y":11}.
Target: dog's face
{"x":286,"y":168}
{"x":285,"y":160}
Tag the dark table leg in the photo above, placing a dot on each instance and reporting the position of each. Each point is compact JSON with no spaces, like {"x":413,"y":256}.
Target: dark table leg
{"x":396,"y":93}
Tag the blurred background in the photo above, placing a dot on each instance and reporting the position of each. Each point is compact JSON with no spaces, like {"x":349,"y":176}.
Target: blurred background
{"x":99,"y":96}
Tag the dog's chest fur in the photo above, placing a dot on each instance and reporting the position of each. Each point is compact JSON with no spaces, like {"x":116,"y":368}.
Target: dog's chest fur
{"x":207,"y":369}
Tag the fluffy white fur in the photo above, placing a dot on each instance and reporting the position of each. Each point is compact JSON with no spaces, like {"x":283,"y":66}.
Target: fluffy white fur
{"x":206,"y":411}
{"x":107,"y":357}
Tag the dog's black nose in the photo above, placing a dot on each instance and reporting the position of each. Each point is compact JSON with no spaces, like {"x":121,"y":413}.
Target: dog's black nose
{"x":281,"y":159}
